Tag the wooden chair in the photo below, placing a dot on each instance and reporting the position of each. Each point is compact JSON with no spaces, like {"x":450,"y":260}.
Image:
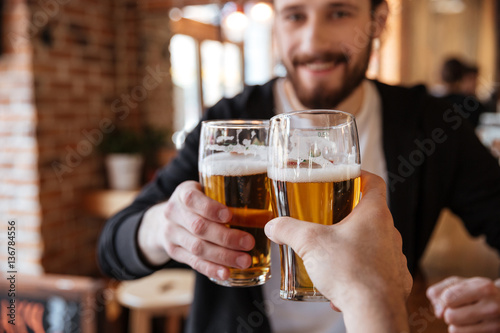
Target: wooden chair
{"x":166,"y":293}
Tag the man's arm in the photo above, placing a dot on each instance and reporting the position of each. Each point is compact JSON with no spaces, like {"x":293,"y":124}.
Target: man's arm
{"x":475,"y":191}
{"x":188,"y":227}
{"x":128,"y":247}
{"x":365,"y":273}
{"x":118,"y":251}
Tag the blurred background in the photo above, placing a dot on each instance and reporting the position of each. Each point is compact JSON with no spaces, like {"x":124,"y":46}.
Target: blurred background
{"x":92,"y":90}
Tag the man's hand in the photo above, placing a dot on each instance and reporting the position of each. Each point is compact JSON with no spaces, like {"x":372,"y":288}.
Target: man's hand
{"x":190,"y":228}
{"x":467,"y":305}
{"x":358,"y":263}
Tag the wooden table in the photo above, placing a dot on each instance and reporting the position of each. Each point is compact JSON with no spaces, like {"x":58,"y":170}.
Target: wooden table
{"x":106,"y":203}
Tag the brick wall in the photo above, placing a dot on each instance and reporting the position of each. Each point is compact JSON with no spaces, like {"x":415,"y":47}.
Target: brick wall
{"x":73,"y":62}
{"x":157,"y":109}
{"x":19,"y":194}
{"x":73,"y":68}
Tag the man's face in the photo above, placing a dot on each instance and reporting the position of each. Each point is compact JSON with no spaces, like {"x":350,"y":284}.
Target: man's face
{"x":469,"y":84}
{"x":325,"y":46}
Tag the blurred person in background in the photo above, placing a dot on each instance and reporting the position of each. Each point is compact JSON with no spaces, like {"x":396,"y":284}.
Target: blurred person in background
{"x":468,"y":86}
{"x":460,"y":82}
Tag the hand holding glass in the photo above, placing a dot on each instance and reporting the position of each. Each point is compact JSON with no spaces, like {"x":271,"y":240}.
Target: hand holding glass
{"x":314,"y":170}
{"x":233,"y":171}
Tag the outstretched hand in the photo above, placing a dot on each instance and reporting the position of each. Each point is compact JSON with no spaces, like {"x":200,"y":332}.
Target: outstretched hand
{"x":357,"y":260}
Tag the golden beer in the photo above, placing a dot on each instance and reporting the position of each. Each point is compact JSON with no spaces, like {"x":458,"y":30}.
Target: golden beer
{"x":324,"y":196}
{"x":242,"y":184}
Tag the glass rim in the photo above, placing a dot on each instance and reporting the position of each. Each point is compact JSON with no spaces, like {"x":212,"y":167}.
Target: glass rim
{"x":350,"y":118}
{"x":236,"y":123}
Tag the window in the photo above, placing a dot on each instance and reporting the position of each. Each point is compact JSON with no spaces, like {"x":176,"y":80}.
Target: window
{"x":206,"y":66}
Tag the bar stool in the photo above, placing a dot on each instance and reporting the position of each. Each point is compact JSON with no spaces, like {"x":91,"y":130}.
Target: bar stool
{"x":166,"y":293}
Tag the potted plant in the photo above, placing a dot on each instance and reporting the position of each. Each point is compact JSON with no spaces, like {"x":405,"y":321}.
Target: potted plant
{"x":124,"y":158}
{"x":158,"y":149}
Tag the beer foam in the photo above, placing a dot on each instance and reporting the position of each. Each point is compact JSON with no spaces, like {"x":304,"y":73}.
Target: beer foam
{"x":226,"y":164}
{"x":329,"y":173}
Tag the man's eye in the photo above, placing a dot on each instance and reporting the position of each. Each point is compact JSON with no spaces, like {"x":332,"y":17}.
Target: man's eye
{"x":340,"y":14}
{"x":295,"y":17}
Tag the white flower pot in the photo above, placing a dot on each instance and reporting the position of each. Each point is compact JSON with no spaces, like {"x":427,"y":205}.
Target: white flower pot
{"x":124,"y":171}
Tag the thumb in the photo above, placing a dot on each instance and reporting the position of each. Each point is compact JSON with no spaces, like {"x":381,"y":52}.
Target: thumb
{"x":287,"y":230}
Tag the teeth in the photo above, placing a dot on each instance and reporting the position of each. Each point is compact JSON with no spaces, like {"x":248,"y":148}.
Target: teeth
{"x":320,"y":66}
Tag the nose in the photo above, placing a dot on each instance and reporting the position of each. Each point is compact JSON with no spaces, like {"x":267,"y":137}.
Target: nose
{"x":316,"y":36}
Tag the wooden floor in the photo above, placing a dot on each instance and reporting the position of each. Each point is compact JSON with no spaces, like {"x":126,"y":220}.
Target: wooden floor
{"x":451,"y":252}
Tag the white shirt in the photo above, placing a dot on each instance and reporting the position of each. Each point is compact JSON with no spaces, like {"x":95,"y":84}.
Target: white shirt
{"x":312,"y":317}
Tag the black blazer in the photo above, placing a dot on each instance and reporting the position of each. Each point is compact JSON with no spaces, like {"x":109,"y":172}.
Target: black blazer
{"x":434,"y":160}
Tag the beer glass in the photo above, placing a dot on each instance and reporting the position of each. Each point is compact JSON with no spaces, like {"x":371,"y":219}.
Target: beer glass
{"x":314,"y":172}
{"x":233,"y":171}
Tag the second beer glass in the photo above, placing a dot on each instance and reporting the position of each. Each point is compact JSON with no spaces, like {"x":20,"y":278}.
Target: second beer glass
{"x":233,"y":171}
{"x":314,"y":171}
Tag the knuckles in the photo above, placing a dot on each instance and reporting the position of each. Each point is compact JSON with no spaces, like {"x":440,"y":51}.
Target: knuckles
{"x":438,"y":289}
{"x":484,"y":286}
{"x":492,"y":310}
{"x":169,"y":209}
{"x":226,"y":258}
{"x":450,"y":295}
{"x":197,"y":247}
{"x":172,"y":250}
{"x":226,"y":238}
{"x":168,"y":229}
{"x":195,"y":263}
{"x":199,"y":227}
{"x":188,"y":196}
{"x":449,"y":316}
{"x":199,"y":265}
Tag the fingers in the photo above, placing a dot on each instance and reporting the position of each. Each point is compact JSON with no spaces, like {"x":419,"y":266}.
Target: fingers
{"x":373,"y":204}
{"x":199,"y":217}
{"x":372,"y":185}
{"x":290,"y":231}
{"x":218,"y":234}
{"x":295,"y":233}
{"x":468,"y":291}
{"x":195,"y":233}
{"x":192,"y":197}
{"x":434,"y":293}
{"x":484,"y":327}
{"x":206,"y":268}
{"x":207,"y":251}
{"x":485,"y":310}
{"x":456,"y":292}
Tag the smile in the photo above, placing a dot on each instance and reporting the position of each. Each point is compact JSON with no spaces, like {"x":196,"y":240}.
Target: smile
{"x":320,"y":66}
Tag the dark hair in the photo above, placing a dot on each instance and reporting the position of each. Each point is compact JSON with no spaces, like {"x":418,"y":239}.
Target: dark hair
{"x":375,"y":3}
{"x":471,"y":69}
{"x":453,"y":70}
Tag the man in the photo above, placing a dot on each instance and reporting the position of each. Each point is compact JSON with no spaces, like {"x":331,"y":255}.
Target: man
{"x":460,"y":82}
{"x":429,"y":157}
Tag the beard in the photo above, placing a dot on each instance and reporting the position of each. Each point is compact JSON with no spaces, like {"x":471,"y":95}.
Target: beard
{"x":322,"y":97}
